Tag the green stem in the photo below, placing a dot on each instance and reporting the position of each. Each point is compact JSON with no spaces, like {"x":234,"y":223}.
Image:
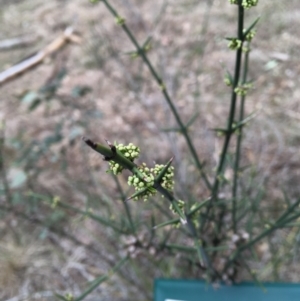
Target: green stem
{"x":229,"y":131}
{"x":64,"y":205}
{"x":113,"y":154}
{"x":253,"y":275}
{"x":290,"y":210}
{"x":238,"y":146}
{"x":180,"y":248}
{"x":161,"y":84}
{"x":233,"y":101}
{"x":66,"y":234}
{"x":288,"y":221}
{"x":103,"y":278}
{"x":3,"y":172}
{"x":248,"y":245}
{"x":280,"y":223}
{"x":203,"y":258}
{"x":168,"y":195}
{"x":126,"y":205}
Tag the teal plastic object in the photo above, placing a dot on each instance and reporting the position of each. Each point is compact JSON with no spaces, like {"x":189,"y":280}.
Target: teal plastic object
{"x":193,"y":290}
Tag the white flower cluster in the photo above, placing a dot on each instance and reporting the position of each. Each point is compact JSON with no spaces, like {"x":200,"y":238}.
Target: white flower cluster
{"x":140,"y":185}
{"x":149,"y":176}
{"x":130,"y":151}
{"x":245,"y":3}
{"x":167,"y":180}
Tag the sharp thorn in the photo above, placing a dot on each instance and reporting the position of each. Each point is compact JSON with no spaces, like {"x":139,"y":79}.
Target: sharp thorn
{"x":89,"y":142}
{"x":112,"y":147}
{"x":183,"y":221}
{"x":109,"y":143}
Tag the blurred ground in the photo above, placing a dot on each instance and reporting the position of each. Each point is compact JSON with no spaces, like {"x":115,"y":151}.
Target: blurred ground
{"x":96,"y":89}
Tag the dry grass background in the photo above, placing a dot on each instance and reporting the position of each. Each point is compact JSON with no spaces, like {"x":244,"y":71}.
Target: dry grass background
{"x":125,"y":105}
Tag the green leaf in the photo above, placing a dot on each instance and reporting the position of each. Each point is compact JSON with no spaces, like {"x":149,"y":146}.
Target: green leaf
{"x":170,"y":222}
{"x":192,"y":120}
{"x":147,"y":42}
{"x":250,"y":28}
{"x":245,"y":120}
{"x":60,"y":297}
{"x":229,"y":76}
{"x":179,"y":211}
{"x":163,"y":171}
{"x":198,"y":207}
{"x":220,"y":131}
{"x":138,"y":193}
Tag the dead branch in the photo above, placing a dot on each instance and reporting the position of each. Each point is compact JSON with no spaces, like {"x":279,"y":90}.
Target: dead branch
{"x":37,"y":58}
{"x":16,"y":42}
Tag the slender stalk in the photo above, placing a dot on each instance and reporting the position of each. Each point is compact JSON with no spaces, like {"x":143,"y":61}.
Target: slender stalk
{"x":180,"y":248}
{"x":62,"y":233}
{"x":140,"y":50}
{"x":253,"y":275}
{"x":103,"y":278}
{"x":3,"y":177}
{"x":229,"y":130}
{"x":289,"y":210}
{"x":192,"y":249}
{"x":203,"y":258}
{"x":288,"y":221}
{"x":280,"y":223}
{"x":115,"y":155}
{"x":238,"y":146}
{"x":248,"y":245}
{"x":95,"y":217}
{"x":125,"y":203}
{"x":3,"y":173}
{"x":238,"y":61}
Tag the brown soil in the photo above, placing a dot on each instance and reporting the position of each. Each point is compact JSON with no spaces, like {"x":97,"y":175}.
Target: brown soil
{"x":124,"y":104}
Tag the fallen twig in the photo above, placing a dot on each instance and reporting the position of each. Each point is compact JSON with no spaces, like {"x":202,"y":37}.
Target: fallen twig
{"x":37,"y":58}
{"x":17,"y":42}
